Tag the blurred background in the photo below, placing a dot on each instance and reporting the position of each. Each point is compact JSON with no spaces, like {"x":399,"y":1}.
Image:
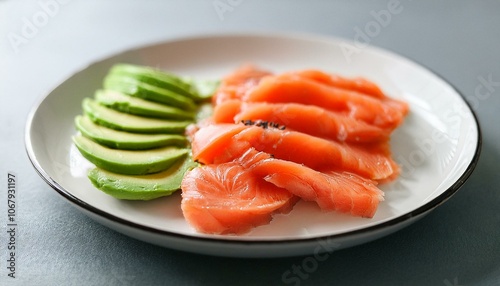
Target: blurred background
{"x":45,"y":41}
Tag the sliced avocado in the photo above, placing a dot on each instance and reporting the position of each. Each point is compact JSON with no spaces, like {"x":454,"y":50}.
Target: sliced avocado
{"x":126,"y":161}
{"x":154,"y":77}
{"x":145,"y":187}
{"x":127,"y":122}
{"x":126,"y":140}
{"x":134,"y":87}
{"x":202,"y":89}
{"x":198,"y":90}
{"x":134,"y":105}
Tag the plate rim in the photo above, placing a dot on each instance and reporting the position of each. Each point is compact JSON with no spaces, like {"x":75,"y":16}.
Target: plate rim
{"x":424,"y":209}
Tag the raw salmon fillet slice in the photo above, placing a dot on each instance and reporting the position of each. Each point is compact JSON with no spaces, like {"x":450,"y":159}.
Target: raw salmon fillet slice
{"x":211,"y":141}
{"x":274,"y":139}
{"x":286,"y":88}
{"x":220,"y":143}
{"x":317,"y":153}
{"x":309,"y":119}
{"x":373,"y":162}
{"x":357,"y":84}
{"x":333,"y":191}
{"x":229,"y":199}
{"x":236,"y":84}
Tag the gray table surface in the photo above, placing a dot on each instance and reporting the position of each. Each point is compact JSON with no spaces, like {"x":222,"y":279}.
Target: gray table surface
{"x":457,"y":244}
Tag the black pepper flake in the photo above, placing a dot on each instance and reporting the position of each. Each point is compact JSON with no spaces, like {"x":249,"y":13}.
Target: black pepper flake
{"x":264,"y":124}
{"x":247,"y":122}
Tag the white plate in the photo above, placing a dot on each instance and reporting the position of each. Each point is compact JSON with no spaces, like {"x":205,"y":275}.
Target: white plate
{"x":438,"y":145}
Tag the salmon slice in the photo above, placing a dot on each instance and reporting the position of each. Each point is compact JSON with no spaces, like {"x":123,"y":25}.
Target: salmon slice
{"x":226,"y":111}
{"x":236,"y":84}
{"x":307,"y":119}
{"x":305,"y":134}
{"x":229,"y":199}
{"x":220,"y":143}
{"x":284,"y":89}
{"x":209,"y":143}
{"x":333,"y":191}
{"x":320,"y":154}
{"x":357,"y":84}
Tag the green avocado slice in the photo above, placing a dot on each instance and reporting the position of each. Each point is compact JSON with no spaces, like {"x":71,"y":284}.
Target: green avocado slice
{"x":126,"y":161}
{"x":203,"y":89}
{"x":198,"y":90}
{"x":136,"y":88}
{"x":138,"y":106}
{"x":154,"y":77}
{"x":127,"y":122}
{"x":126,"y":140}
{"x":145,"y":187}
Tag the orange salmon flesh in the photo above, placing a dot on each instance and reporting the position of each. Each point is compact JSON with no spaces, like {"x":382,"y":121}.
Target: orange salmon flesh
{"x":275,"y":139}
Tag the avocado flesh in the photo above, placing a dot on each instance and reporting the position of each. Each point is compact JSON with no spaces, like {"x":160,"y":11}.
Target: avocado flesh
{"x":139,"y":113}
{"x":204,"y":89}
{"x":136,"y":88}
{"x":145,"y":187}
{"x":138,"y":106}
{"x":127,"y":122}
{"x":154,"y":77}
{"x":126,"y":140}
{"x":126,"y":161}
